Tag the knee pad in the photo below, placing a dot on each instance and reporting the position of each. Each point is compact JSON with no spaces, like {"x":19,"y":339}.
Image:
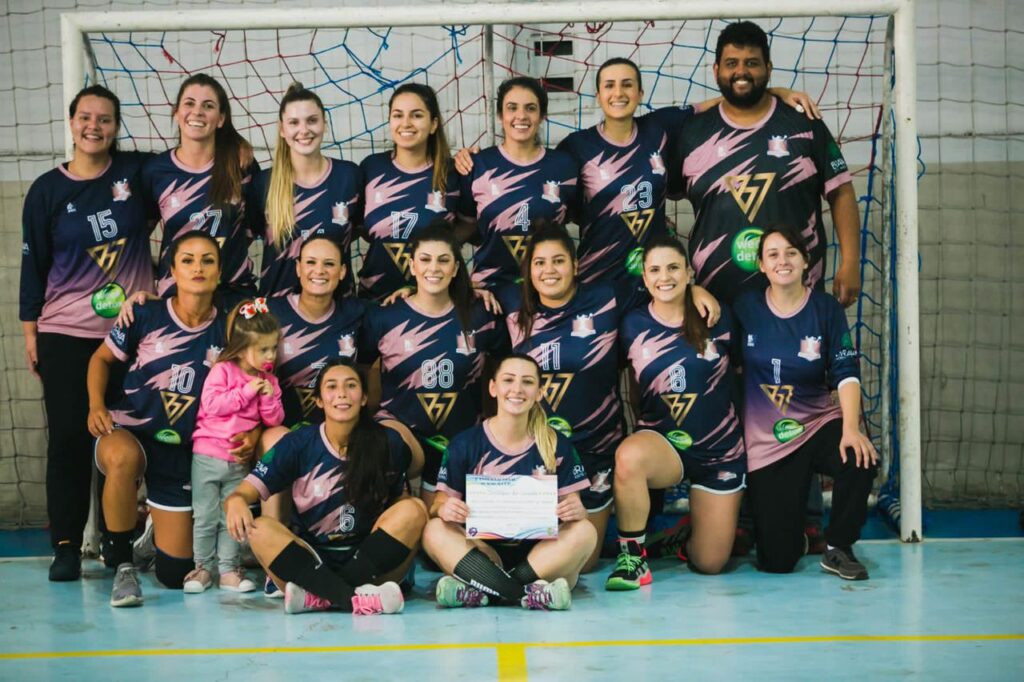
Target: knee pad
{"x":171,"y":571}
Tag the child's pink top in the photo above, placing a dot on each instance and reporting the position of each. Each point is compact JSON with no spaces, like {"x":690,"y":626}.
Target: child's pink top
{"x":229,"y":406}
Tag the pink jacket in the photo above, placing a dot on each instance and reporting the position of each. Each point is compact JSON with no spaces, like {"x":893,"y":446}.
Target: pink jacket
{"x":230,"y":406}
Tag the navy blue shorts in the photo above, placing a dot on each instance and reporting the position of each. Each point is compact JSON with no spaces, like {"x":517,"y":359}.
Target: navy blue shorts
{"x":168,"y":473}
{"x":600,"y":470}
{"x":720,"y":478}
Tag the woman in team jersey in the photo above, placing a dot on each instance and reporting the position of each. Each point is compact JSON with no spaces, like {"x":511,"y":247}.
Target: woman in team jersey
{"x":358,"y":529}
{"x":432,"y":348}
{"x":202,"y":184}
{"x":797,"y":351}
{"x":169,"y":349}
{"x":303,"y":195}
{"x":536,"y":574}
{"x":687,"y":427}
{"x":512,"y":184}
{"x":621,"y":164}
{"x":85,"y":246}
{"x":404,"y":189}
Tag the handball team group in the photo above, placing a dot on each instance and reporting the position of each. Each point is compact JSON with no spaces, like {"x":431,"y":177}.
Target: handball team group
{"x":330,"y":419}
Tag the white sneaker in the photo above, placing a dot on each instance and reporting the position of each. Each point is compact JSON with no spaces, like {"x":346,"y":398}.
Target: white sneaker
{"x":197,"y":581}
{"x":373,"y":599}
{"x":236,"y":581}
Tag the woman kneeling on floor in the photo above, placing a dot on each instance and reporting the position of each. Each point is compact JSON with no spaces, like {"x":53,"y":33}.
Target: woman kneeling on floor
{"x":359,"y":529}
{"x":518,"y":440}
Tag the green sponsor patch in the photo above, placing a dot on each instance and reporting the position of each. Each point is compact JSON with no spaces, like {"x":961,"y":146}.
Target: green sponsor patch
{"x":169,"y":436}
{"x":787,"y":429}
{"x":680,"y":439}
{"x":438,"y":442}
{"x":560,"y":425}
{"x":635,"y":262}
{"x":106,"y":302}
{"x":744,"y":248}
{"x":846,"y":342}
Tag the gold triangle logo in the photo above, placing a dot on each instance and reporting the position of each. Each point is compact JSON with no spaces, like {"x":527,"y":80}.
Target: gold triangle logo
{"x":780,"y":395}
{"x":307,"y":400}
{"x":679,"y":405}
{"x":175,"y":405}
{"x":107,"y":255}
{"x":638,"y":222}
{"x":399,"y":253}
{"x":749,"y":191}
{"x":437,"y":406}
{"x":553,"y":387}
{"x":517,"y":246}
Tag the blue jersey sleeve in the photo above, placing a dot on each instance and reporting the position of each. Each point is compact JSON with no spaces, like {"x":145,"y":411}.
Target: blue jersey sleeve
{"x":280,"y":466}
{"x":467,"y":203}
{"x":451,"y":479}
{"x":572,"y":476}
{"x":256,"y":203}
{"x":841,"y":356}
{"x":671,"y":119}
{"x":124,"y":341}
{"x":36,"y":253}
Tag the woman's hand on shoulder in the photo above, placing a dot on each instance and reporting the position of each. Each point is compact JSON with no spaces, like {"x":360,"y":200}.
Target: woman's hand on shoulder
{"x":706,"y":304}
{"x":490,"y":301}
{"x":399,"y":294}
{"x":464,"y":159}
{"x":127,"y":313}
{"x":801,"y":101}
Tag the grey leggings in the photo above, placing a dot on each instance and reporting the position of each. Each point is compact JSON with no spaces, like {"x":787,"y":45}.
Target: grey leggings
{"x":212,"y":481}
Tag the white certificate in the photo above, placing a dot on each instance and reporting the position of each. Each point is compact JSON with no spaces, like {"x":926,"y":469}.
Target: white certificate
{"x":512,"y":507}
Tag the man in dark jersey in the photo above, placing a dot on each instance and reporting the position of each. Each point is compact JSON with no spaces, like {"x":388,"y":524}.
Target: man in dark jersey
{"x":748,"y":163}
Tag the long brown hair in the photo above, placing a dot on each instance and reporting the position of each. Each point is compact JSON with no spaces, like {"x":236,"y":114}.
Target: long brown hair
{"x":537,"y":420}
{"x":437,"y":144}
{"x":695,"y":328}
{"x":541,"y":230}
{"x":281,"y":193}
{"x":226,"y":178}
{"x":459,"y":289}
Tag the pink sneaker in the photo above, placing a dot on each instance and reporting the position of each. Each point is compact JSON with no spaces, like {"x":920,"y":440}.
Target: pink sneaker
{"x":298,"y":600}
{"x":373,"y":599}
{"x":197,"y":581}
{"x":236,"y":581}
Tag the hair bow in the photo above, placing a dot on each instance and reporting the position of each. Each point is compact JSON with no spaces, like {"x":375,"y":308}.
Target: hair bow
{"x":254,"y":307}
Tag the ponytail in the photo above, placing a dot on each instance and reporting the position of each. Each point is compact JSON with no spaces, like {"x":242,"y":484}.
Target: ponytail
{"x":543,"y":435}
{"x":695,"y":328}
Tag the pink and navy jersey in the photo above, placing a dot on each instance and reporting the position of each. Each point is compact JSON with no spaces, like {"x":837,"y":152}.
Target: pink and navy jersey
{"x":475,"y":452}
{"x":686,"y":395}
{"x":623,"y":192}
{"x":743,"y":179}
{"x":504,"y":196}
{"x":399,"y":202}
{"x":330,"y":207}
{"x":791,"y":363}
{"x":306,"y":463}
{"x":577,"y":348}
{"x":305,"y":347}
{"x":168,"y":365}
{"x":430,"y":367}
{"x":181,"y":197}
{"x":85,"y":247}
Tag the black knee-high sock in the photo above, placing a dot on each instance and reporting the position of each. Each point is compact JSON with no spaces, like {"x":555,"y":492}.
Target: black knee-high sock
{"x":524,"y":573}
{"x":296,"y":565}
{"x":378,"y":555}
{"x":477,"y":570}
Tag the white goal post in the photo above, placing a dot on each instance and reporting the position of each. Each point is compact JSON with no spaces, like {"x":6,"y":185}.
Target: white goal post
{"x":76,"y":26}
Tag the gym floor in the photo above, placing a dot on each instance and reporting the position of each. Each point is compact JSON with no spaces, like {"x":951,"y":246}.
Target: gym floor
{"x":945,"y":609}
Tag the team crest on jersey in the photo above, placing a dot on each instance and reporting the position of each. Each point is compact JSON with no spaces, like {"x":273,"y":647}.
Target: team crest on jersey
{"x":339,"y":213}
{"x":121,"y":190}
{"x":779,"y":395}
{"x":70,"y":208}
{"x":347,"y":346}
{"x":516,"y":245}
{"x":437,"y":406}
{"x":710,"y":352}
{"x":679,"y":405}
{"x":435,"y":201}
{"x":749,"y":191}
{"x":583,"y":326}
{"x":107,"y":255}
{"x":599,"y":483}
{"x":657,"y":164}
{"x":465,"y":343}
{"x":212,"y":353}
{"x":810,"y":348}
{"x":551,"y":192}
{"x":778,"y":146}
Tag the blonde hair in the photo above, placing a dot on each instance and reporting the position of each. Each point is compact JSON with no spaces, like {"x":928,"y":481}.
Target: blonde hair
{"x":537,"y":420}
{"x":281,"y":193}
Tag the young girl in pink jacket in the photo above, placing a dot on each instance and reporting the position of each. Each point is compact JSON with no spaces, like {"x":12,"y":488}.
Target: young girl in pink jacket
{"x":240,"y":393}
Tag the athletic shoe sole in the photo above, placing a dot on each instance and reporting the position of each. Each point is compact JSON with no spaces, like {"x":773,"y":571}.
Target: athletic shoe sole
{"x":845,"y":576}
{"x":623,"y":585}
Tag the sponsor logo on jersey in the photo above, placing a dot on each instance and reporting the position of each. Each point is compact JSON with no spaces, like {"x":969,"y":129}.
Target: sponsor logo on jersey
{"x":465,"y":343}
{"x":121,"y":190}
{"x":553,"y":387}
{"x":106,"y":301}
{"x":516,"y":245}
{"x":836,"y":160}
{"x":679,"y":405}
{"x":810,"y":348}
{"x":635,"y":262}
{"x":438,"y":406}
{"x":347,"y":345}
{"x":70,"y":208}
{"x":117,"y":333}
{"x":435,"y":201}
{"x":786,"y":430}
{"x":169,"y":436}
{"x":778,"y":146}
{"x":399,"y":252}
{"x":838,"y":165}
{"x":657,"y":165}
{"x":779,"y":395}
{"x":578,"y":471}
{"x":339,"y":213}
{"x":726,"y":475}
{"x":438,"y":442}
{"x":583,"y":326}
{"x":212,"y":353}
{"x":710,"y":351}
{"x":551,"y":192}
{"x":751,"y":338}
{"x":175,"y":405}
{"x":680,"y":439}
{"x":107,"y":255}
{"x":638,"y":222}
{"x":560,"y":425}
{"x":749,"y":191}
{"x":25,"y":249}
{"x":744,"y":248}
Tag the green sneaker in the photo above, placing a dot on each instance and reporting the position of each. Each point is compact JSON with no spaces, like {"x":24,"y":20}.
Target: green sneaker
{"x":631,"y":572}
{"x":452,"y":593}
{"x":544,"y":596}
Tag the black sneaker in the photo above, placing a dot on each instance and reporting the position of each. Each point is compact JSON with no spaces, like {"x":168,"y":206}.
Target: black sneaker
{"x":843,"y":563}
{"x":67,"y":563}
